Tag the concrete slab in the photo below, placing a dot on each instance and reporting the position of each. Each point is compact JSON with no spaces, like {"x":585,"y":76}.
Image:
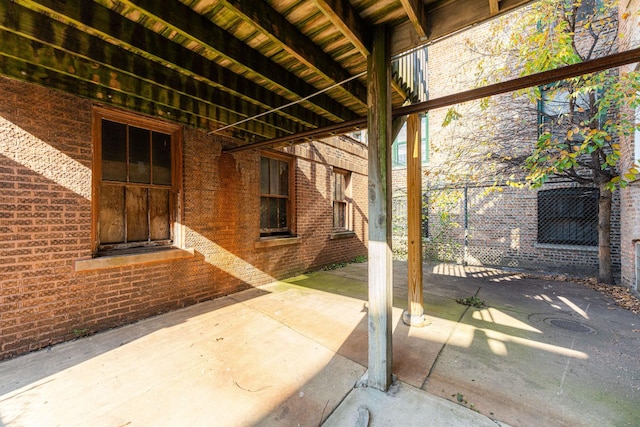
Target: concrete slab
{"x":544,"y":353}
{"x":217,"y":363}
{"x":540,"y":353}
{"x":402,"y":405}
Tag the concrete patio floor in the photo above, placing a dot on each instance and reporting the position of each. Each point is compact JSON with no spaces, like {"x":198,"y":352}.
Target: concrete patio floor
{"x":290,"y":353}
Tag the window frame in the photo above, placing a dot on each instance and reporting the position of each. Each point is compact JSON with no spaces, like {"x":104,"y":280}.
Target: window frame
{"x":154,"y":125}
{"x":401,"y":141}
{"x":346,"y":201}
{"x":289,"y":231}
{"x":553,"y":123}
{"x":544,"y":221}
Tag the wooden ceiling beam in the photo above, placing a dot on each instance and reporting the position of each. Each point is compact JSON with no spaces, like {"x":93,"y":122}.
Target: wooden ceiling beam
{"x":53,"y":79}
{"x":494,"y":7}
{"x":112,"y":27}
{"x":447,"y":17}
{"x":450,"y":17}
{"x":417,"y":16}
{"x":293,"y":41}
{"x":197,"y":28}
{"x":66,"y":49}
{"x":592,"y":66}
{"x":349,"y":23}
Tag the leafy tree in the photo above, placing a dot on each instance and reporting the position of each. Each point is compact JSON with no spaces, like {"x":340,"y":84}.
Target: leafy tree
{"x":582,"y":119}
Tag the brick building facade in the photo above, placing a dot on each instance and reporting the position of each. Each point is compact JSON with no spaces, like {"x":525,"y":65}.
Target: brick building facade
{"x":53,"y":288}
{"x":485,"y":225}
{"x":630,"y":153}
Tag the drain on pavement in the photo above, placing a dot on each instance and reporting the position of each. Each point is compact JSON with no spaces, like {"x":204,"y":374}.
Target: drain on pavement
{"x":570,"y":325}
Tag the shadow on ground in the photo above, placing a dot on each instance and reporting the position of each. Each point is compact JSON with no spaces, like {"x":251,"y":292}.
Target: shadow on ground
{"x":539,"y":353}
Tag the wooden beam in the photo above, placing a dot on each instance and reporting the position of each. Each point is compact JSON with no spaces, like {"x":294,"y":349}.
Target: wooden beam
{"x":344,"y":17}
{"x":109,"y":25}
{"x":494,"y":7}
{"x":594,"y":65}
{"x":414,"y":315}
{"x":380,"y":265}
{"x":538,"y":79}
{"x":293,"y":41}
{"x":445,"y":18}
{"x":69,"y":51}
{"x":417,"y":16}
{"x":194,"y":27}
{"x":30,"y":73}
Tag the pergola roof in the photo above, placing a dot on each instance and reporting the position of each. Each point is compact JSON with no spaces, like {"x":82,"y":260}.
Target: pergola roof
{"x":224,"y":65}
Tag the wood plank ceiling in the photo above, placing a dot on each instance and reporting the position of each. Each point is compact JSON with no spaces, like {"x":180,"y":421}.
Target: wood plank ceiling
{"x":223,"y":65}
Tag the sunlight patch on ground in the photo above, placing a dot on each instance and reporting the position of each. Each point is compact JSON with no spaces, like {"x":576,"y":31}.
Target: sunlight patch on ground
{"x":470,"y":271}
{"x":496,"y":316}
{"x":574,"y":307}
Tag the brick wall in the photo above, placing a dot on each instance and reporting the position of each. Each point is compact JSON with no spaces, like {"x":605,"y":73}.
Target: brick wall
{"x":45,"y":225}
{"x":630,"y":196}
{"x":502,"y":224}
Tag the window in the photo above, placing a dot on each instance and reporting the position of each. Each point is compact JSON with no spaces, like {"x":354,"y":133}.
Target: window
{"x":134,"y":181}
{"x":275,"y":195}
{"x":554,"y":109}
{"x":568,"y":216}
{"x":359,"y":135}
{"x":399,"y":147}
{"x":341,"y":201}
{"x":588,"y":9}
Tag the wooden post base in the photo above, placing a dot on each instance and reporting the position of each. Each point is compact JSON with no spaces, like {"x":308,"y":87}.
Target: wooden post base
{"x":415,"y":320}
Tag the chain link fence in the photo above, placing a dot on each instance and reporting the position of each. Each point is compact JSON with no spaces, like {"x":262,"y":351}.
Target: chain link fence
{"x":552,"y":228}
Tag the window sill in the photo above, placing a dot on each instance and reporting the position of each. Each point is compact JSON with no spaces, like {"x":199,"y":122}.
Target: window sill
{"x":131,"y":258}
{"x":269,"y":242}
{"x":336,"y":235}
{"x":566,"y":247}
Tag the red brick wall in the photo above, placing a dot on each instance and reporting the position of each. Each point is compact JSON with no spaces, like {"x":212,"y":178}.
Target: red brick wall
{"x":45,"y":225}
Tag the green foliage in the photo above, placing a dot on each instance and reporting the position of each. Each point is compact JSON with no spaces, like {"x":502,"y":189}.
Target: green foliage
{"x":472,"y":301}
{"x":584,"y":146}
{"x":445,"y":209}
{"x":451,"y":116}
{"x":80,"y":332}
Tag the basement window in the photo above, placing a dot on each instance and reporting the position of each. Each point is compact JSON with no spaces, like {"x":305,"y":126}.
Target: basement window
{"x":135,"y":181}
{"x":568,"y":216}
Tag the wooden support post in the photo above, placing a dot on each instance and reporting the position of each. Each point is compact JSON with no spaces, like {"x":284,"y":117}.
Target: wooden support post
{"x":414,"y":316}
{"x":380,"y":265}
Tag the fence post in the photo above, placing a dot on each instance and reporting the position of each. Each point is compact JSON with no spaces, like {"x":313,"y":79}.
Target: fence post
{"x":465,"y":248}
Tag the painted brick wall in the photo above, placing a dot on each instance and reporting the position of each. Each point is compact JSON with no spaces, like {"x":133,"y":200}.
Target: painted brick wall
{"x":45,"y":225}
